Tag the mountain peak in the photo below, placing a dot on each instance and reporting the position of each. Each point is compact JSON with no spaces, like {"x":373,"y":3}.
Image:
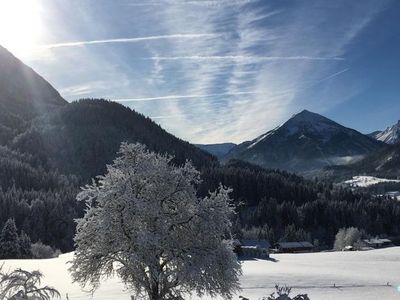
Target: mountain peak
{"x":306,"y":142}
{"x":305,"y":111}
{"x":306,"y":115}
{"x":307,"y":121}
{"x":391,"y":135}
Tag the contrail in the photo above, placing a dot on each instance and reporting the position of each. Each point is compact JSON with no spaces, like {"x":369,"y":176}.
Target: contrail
{"x":333,"y":75}
{"x":172,"y":97}
{"x":243,"y":58}
{"x":200,"y":3}
{"x":130,"y":40}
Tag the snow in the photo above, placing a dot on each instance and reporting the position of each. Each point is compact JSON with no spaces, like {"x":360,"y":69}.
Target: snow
{"x":356,"y":275}
{"x":311,"y":123}
{"x":365,"y":181}
{"x":390,"y":135}
{"x":262,"y":137}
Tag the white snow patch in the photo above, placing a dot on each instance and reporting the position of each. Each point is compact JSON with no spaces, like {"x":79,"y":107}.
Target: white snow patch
{"x":365,"y":181}
{"x":367,"y":275}
{"x":262,"y":137}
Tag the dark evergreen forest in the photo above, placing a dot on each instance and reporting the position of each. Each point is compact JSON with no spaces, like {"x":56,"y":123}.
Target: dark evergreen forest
{"x":43,"y":166}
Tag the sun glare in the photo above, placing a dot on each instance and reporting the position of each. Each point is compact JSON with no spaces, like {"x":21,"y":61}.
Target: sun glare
{"x":20,"y":26}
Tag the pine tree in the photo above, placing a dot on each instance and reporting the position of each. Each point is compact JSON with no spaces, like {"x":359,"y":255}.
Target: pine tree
{"x":9,"y":246}
{"x":24,"y":245}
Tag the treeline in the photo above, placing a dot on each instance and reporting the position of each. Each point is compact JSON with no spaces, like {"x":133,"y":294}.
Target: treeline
{"x":43,"y":215}
{"x":41,"y":202}
{"x":282,"y":206}
{"x":381,"y":188}
{"x":271,"y":204}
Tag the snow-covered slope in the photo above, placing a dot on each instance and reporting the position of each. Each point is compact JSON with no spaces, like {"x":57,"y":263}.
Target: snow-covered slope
{"x":390,"y":135}
{"x":368,"y":275}
{"x":365,"y":181}
{"x":306,"y":142}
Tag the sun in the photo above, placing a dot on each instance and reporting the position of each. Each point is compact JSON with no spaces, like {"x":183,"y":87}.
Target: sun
{"x":20,"y":26}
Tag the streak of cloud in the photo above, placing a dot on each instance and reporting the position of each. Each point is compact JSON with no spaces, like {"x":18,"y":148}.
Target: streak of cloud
{"x":178,"y":97}
{"x":240,"y":58}
{"x":200,"y":3}
{"x":129,"y":40}
{"x":210,"y":70}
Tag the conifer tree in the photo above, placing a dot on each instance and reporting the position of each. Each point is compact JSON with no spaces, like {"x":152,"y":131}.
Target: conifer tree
{"x":24,"y":245}
{"x":9,"y":246}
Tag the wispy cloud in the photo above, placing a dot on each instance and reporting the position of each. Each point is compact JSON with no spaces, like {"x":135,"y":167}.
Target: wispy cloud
{"x":210,"y":3}
{"x":209,"y":70}
{"x":166,"y":117}
{"x":241,"y":58}
{"x":178,"y":97}
{"x":129,"y":40}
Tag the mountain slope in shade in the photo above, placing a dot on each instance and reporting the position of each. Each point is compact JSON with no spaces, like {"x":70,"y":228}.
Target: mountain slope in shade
{"x":83,"y":136}
{"x":23,"y":95}
{"x":390,"y":135}
{"x":218,"y":150}
{"x":306,"y":142}
{"x":382,"y":163}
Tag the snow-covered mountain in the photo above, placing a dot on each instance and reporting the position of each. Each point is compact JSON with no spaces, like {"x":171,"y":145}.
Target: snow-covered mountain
{"x":390,"y":135}
{"x":306,"y":142}
{"x":218,"y":150}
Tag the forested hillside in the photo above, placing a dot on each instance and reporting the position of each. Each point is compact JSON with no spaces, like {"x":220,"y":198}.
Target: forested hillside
{"x":42,"y":168}
{"x":278,"y":205}
{"x":41,"y":202}
{"x":84,"y":136}
{"x":384,"y":163}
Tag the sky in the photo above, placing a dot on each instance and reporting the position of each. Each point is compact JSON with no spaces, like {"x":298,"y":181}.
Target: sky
{"x":213,"y":71}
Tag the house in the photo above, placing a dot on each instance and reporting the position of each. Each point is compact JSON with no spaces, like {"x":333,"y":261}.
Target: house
{"x":378,"y":243}
{"x":254,"y":249}
{"x":294,"y":247}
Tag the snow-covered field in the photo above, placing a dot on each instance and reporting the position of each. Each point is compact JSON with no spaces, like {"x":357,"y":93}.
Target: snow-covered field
{"x":365,"y":181}
{"x":356,"y":275}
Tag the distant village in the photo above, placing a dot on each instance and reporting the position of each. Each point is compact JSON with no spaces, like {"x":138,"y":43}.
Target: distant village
{"x":247,"y":249}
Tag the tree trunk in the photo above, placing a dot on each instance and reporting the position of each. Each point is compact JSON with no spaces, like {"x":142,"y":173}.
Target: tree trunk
{"x":153,"y":295}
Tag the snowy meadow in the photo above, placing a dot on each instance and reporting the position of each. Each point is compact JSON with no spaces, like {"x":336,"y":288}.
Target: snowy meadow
{"x":366,"y":275}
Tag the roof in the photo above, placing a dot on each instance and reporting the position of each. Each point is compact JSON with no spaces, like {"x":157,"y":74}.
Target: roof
{"x":255,"y":243}
{"x":289,"y":245}
{"x":377,"y":241}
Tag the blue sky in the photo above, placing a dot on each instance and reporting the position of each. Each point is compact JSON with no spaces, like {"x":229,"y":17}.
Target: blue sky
{"x":215,"y":71}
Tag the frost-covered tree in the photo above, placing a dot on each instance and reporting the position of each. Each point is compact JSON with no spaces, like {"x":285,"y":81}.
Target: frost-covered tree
{"x":145,"y":223}
{"x":25,"y":285}
{"x":347,"y":237}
